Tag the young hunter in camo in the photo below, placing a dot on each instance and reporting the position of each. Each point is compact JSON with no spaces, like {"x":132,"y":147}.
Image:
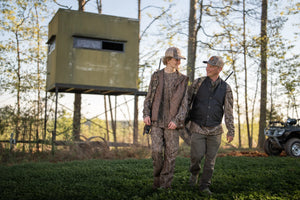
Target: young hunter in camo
{"x":165,"y":109}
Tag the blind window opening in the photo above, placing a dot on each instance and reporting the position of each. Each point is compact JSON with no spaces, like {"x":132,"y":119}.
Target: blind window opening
{"x":51,"y":46}
{"x":113,"y":46}
{"x":98,"y":44}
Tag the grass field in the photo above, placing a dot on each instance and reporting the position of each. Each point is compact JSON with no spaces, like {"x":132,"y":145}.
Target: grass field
{"x":234,"y":178}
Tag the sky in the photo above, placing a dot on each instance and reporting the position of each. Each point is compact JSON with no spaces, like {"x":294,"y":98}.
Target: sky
{"x":92,"y":105}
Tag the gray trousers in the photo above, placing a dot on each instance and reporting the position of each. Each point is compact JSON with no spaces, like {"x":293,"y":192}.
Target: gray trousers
{"x":165,"y":144}
{"x":204,"y":146}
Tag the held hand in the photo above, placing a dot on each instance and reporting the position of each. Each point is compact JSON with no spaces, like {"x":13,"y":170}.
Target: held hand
{"x":229,"y":138}
{"x":147,"y":120}
{"x":172,"y":125}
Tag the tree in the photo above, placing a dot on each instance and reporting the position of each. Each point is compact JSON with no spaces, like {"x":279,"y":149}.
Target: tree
{"x":15,"y":25}
{"x":23,"y":49}
{"x":99,"y":8}
{"x":289,"y":70}
{"x":39,"y":57}
{"x":136,"y":98}
{"x":284,"y":66}
{"x":194,"y":27}
{"x":77,"y":99}
{"x":246,"y":75}
{"x":231,"y":32}
{"x":264,"y":71}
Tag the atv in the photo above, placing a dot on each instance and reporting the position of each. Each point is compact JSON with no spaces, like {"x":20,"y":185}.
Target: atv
{"x":283,"y":136}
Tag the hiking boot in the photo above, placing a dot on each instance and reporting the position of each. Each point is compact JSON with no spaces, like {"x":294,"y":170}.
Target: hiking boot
{"x":193,"y":180}
{"x":206,"y":191}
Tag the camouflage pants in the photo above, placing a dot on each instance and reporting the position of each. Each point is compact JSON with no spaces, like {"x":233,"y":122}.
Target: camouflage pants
{"x":165,"y":144}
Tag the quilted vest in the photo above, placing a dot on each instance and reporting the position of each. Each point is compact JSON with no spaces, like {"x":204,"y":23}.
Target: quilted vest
{"x":208,"y":107}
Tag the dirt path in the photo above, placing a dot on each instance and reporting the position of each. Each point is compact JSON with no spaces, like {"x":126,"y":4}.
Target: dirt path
{"x":247,"y":154}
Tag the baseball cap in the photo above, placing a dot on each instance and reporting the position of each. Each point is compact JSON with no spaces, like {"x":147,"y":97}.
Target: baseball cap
{"x":174,"y":52}
{"x":215,"y":61}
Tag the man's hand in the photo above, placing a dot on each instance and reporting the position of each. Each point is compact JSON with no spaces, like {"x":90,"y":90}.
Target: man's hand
{"x":147,"y":120}
{"x":172,"y":125}
{"x":229,"y":138}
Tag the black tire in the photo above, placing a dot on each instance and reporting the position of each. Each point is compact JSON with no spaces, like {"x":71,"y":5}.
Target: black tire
{"x":292,"y":147}
{"x":271,"y":149}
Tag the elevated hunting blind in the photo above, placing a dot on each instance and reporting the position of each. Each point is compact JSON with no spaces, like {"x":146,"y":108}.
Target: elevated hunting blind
{"x":92,"y":53}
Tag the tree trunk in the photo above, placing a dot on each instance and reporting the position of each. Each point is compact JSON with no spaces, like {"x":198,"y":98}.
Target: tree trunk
{"x":99,"y":6}
{"x":18,"y":88}
{"x":38,"y":80}
{"x":76,"y":117}
{"x":253,"y":106}
{"x":237,"y":96}
{"x":192,"y":41}
{"x":246,"y":79}
{"x":194,"y":27}
{"x":77,"y":101}
{"x":136,"y":98}
{"x":238,"y":106}
{"x":81,"y":4}
{"x":263,"y":94}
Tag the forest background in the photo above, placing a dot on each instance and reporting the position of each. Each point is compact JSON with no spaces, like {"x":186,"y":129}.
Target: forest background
{"x":266,"y":84}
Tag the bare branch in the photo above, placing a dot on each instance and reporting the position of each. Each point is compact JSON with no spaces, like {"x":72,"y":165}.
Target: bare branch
{"x":156,"y":18}
{"x":200,"y":17}
{"x":149,"y":55}
{"x":151,"y":7}
{"x":210,"y":46}
{"x":61,"y":5}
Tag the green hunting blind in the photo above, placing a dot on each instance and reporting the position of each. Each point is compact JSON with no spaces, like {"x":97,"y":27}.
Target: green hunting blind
{"x":92,"y":53}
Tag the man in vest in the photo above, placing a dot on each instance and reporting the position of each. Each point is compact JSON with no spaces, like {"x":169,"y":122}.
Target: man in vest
{"x":165,"y":109}
{"x":211,"y":98}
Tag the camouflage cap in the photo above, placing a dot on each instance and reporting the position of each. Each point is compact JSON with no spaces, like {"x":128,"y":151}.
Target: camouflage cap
{"x":174,"y":52}
{"x":215,"y":61}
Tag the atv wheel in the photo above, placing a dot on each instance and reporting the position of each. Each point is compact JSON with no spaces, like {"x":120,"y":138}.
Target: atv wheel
{"x":271,"y":149}
{"x":292,"y":147}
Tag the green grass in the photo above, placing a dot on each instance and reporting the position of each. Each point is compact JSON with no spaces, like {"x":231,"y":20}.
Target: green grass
{"x":234,"y":178}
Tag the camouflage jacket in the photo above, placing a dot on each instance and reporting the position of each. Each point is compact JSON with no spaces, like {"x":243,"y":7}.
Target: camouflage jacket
{"x":179,"y":99}
{"x":228,"y":111}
